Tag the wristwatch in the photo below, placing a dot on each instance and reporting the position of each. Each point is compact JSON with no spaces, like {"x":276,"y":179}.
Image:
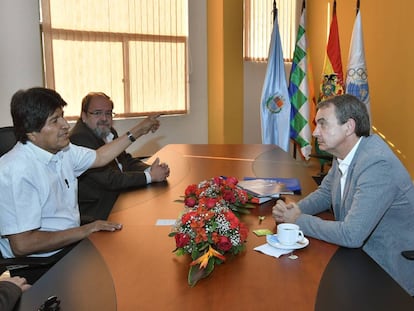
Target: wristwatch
{"x":131,"y":137}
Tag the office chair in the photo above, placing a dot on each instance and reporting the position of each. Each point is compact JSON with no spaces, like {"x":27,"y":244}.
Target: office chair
{"x":7,"y":139}
{"x":323,"y":159}
{"x":32,"y":268}
{"x":23,"y":263}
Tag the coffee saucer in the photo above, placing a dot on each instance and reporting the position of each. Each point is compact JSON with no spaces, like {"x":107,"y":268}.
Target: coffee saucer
{"x":272,"y":240}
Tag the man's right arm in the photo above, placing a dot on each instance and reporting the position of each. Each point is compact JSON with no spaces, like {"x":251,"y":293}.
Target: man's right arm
{"x":36,"y":241}
{"x":110,"y":151}
{"x":110,"y":178}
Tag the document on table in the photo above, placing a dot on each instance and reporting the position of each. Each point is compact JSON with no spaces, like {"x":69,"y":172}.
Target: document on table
{"x":165,"y":222}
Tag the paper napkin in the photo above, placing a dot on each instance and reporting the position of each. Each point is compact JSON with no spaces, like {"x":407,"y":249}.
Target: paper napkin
{"x":272,"y":251}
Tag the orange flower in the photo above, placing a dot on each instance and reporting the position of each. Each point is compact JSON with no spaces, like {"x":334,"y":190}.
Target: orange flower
{"x":201,"y":235}
{"x":215,"y":237}
{"x":203,"y":259}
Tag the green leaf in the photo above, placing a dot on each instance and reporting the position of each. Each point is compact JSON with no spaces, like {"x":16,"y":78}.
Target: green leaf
{"x":246,"y":205}
{"x":236,"y":210}
{"x":203,"y":247}
{"x":195,"y":274}
{"x":180,"y":252}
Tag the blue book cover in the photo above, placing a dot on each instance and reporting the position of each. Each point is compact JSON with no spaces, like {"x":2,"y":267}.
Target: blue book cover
{"x":292,"y":184}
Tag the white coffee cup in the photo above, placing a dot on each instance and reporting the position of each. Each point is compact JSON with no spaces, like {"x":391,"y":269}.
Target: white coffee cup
{"x":289,"y":234}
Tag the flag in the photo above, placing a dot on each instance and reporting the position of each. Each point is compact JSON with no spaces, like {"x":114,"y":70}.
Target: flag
{"x":356,"y":74}
{"x":301,"y":93}
{"x":332,"y":78}
{"x":275,"y":104}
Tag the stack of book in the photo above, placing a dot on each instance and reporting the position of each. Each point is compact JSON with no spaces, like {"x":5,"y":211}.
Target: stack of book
{"x":265,"y":189}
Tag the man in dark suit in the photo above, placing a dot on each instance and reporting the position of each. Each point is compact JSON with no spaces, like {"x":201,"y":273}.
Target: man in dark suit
{"x":100,"y":187}
{"x":11,"y":289}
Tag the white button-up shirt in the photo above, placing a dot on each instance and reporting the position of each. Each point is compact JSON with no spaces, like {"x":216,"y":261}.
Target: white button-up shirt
{"x":39,"y":190}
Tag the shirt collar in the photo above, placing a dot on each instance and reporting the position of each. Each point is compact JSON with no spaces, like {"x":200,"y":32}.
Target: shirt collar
{"x":109,"y":137}
{"x":344,"y":164}
{"x":43,"y":155}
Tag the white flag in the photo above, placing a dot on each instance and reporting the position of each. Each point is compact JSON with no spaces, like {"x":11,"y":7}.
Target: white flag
{"x":356,"y":74}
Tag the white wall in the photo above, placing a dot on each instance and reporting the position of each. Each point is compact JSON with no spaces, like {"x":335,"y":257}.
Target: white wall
{"x":20,"y":51}
{"x":21,"y":67}
{"x":254,"y":74}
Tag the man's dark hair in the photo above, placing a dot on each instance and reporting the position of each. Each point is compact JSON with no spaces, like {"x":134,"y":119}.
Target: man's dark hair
{"x":30,"y":109}
{"x":87,"y":100}
{"x":349,"y":107}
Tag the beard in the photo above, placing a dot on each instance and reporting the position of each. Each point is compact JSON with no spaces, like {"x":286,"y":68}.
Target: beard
{"x":102,"y":130}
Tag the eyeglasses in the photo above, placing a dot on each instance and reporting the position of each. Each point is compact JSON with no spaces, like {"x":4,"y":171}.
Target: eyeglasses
{"x":51,"y":304}
{"x":100,"y":113}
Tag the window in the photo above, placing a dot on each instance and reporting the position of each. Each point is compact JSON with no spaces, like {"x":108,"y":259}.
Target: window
{"x":133,"y":50}
{"x":258,"y":25}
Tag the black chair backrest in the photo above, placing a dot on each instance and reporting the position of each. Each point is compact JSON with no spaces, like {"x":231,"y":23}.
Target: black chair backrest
{"x":7,"y":139}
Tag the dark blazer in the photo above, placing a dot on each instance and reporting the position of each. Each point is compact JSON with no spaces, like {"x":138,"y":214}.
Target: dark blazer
{"x":99,"y":187}
{"x":9,"y":295}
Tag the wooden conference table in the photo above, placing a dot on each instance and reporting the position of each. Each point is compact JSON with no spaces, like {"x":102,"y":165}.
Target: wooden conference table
{"x":147,"y":275}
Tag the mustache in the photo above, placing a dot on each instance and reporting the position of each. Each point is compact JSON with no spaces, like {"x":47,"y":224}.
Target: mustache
{"x":102,"y":122}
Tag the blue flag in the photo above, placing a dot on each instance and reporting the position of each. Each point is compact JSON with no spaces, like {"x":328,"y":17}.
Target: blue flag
{"x":275,"y":103}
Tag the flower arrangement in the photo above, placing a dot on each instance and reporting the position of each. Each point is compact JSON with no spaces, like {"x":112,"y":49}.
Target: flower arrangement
{"x":208,"y":229}
{"x":222,"y":190}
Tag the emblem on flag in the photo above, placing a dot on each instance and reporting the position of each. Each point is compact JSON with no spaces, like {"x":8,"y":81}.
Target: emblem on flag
{"x":331,"y":86}
{"x":275,"y":103}
{"x":357,"y":83}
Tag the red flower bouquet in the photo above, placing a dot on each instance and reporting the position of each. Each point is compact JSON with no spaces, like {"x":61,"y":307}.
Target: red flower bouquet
{"x":218,"y":190}
{"x":208,"y":229}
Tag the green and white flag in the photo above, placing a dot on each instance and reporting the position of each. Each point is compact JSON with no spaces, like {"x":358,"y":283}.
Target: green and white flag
{"x":301,"y":92}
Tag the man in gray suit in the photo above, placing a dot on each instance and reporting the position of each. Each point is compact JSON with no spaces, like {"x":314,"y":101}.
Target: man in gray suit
{"x":369,"y":190}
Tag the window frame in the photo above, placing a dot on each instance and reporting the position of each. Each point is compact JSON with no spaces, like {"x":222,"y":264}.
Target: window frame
{"x":259,"y":14}
{"x":48,"y":35}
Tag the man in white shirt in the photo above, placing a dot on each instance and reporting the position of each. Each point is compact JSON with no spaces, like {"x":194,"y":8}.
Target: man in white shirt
{"x":39,"y":213}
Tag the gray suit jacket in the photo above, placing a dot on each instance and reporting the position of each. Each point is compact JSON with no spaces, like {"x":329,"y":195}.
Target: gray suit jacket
{"x":376,"y":212}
